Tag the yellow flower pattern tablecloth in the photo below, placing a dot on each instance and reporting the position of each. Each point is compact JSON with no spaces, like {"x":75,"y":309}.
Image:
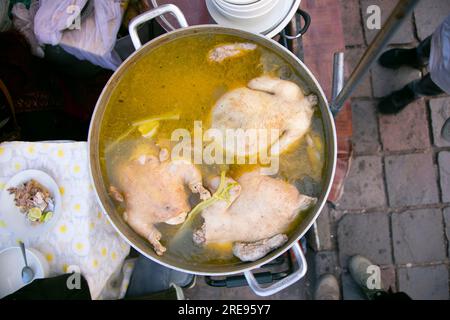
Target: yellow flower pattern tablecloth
{"x":82,"y":236}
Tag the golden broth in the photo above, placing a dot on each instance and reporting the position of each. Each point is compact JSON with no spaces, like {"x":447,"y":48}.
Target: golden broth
{"x":176,"y":78}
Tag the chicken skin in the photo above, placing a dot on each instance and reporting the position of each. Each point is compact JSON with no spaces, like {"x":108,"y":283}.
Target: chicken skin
{"x":227,"y":51}
{"x":154,"y":191}
{"x":259,"y":208}
{"x":277,"y":106}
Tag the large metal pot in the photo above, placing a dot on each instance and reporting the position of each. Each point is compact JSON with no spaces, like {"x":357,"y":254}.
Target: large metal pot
{"x":141,"y":244}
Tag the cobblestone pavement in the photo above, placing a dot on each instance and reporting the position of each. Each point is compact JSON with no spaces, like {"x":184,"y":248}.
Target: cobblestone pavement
{"x":396,"y":205}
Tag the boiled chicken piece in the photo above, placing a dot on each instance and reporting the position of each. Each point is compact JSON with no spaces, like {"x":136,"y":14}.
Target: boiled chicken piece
{"x":226,"y":51}
{"x":154,"y":191}
{"x":259,"y":207}
{"x":266,"y":103}
{"x":256,"y":250}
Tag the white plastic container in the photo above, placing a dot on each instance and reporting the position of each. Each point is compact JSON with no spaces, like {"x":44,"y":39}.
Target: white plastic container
{"x":269,"y":24}
{"x":241,"y":2}
{"x":252,"y":10}
{"x":11,"y":262}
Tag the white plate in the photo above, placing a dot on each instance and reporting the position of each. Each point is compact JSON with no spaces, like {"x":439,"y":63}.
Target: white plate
{"x":11,"y":264}
{"x":15,"y":220}
{"x":269,"y":25}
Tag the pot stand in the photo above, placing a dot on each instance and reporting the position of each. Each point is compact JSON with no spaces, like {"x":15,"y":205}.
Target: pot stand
{"x":279,"y":269}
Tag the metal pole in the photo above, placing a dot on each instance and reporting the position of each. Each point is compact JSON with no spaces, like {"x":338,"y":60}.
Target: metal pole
{"x":338,"y":75}
{"x":403,"y":8}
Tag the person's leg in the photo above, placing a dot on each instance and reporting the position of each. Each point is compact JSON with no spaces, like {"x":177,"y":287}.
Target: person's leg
{"x":415,"y":57}
{"x":398,"y":100}
{"x":327,"y":288}
{"x":359,"y":268}
{"x":423,"y":51}
{"x":425,"y":87}
{"x":150,"y":277}
{"x":394,"y":296}
{"x":445,"y":132}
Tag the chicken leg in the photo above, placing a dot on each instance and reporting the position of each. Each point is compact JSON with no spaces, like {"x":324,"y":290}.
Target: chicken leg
{"x":154,"y":191}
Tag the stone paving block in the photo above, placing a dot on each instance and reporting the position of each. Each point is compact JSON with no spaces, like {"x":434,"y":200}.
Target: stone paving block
{"x":440,"y":112}
{"x":326,"y":262}
{"x":364,"y":186}
{"x":365,"y":234}
{"x":335,"y":216}
{"x":351,"y":21}
{"x":418,"y":236}
{"x":420,"y":283}
{"x":447,"y":226}
{"x":444,"y":171}
{"x":365,"y":127}
{"x":352,"y":57}
{"x":411,"y":180}
{"x":319,"y":236}
{"x":407,"y":130}
{"x":388,"y":278}
{"x":429,"y":15}
{"x":385,"y":81}
{"x":404,"y":34}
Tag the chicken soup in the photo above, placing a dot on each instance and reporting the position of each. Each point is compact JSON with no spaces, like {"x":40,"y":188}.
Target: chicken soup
{"x":212,"y":149}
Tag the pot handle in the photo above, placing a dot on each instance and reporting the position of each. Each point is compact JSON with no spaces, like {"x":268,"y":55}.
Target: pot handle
{"x":151,"y":14}
{"x":284,"y":283}
{"x":305,"y":27}
{"x":338,"y":81}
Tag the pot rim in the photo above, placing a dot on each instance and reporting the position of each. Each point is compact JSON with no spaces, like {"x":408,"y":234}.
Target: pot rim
{"x":331,"y":148}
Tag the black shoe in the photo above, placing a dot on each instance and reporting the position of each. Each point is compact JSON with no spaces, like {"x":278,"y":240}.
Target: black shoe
{"x":395,"y":58}
{"x":396,"y":101}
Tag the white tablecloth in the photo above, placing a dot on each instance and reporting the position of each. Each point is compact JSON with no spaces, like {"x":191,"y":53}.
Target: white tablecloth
{"x":82,"y":236}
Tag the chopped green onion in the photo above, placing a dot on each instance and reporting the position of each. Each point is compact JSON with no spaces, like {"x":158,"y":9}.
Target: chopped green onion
{"x":222,"y":193}
{"x":149,"y":129}
{"x":120,"y":138}
{"x":164,"y":117}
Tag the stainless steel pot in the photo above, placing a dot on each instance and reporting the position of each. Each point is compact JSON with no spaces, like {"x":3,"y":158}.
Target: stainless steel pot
{"x":141,"y":244}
